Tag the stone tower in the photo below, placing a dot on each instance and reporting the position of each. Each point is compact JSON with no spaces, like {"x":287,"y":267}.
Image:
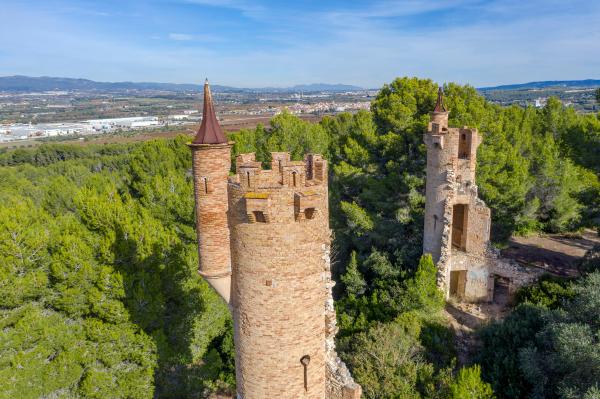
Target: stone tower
{"x":278,"y":223}
{"x":438,"y":157}
{"x":457,"y":222}
{"x":211,"y":161}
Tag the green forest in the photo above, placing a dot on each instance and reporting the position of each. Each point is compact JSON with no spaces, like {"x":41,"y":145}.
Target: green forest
{"x":98,"y":264}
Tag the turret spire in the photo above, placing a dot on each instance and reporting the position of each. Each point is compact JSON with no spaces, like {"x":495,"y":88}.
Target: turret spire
{"x":210,"y":131}
{"x":439,"y":105}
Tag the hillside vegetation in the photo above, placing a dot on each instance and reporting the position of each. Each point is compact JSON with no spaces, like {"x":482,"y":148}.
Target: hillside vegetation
{"x":100,"y":294}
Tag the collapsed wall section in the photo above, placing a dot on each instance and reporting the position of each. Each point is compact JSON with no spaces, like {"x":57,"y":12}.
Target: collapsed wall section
{"x":468,"y":267}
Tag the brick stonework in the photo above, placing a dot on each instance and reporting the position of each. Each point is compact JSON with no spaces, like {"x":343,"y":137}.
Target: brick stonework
{"x":281,"y":301}
{"x":457,"y":222}
{"x":211,"y":165}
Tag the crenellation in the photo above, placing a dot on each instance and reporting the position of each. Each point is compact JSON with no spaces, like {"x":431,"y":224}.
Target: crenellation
{"x":281,"y":195}
{"x":278,"y":240}
{"x":294,"y":174}
{"x":278,"y":159}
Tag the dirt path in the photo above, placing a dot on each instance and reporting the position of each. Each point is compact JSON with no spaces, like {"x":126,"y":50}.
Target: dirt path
{"x":465,"y":319}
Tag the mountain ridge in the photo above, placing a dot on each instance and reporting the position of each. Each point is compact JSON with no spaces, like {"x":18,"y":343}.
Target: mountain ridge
{"x":545,"y":84}
{"x":21,"y":83}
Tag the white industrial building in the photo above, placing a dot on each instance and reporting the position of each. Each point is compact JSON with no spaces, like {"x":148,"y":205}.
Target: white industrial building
{"x":19,"y":131}
{"x":123,"y":123}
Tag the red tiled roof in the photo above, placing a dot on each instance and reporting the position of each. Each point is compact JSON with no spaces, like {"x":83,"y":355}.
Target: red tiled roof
{"x":210,"y":131}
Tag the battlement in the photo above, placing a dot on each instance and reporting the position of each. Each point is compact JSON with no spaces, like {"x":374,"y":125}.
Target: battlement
{"x":456,"y":146}
{"x":283,"y":173}
{"x":264,"y":246}
{"x":291,"y":191}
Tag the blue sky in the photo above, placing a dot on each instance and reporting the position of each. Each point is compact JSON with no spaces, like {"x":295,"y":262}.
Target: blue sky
{"x":279,"y":43}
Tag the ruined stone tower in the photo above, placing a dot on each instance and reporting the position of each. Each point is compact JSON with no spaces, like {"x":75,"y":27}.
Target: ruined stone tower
{"x":439,"y":157}
{"x":451,"y":159}
{"x":272,"y":227}
{"x":457,"y":222}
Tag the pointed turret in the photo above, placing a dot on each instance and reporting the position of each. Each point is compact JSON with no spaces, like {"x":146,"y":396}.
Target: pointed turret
{"x":439,"y":115}
{"x":210,"y":131}
{"x":439,"y":105}
{"x":211,"y":161}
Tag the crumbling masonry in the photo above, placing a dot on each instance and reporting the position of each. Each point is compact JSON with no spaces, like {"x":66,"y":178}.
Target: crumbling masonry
{"x":263,"y":244}
{"x":457,"y":222}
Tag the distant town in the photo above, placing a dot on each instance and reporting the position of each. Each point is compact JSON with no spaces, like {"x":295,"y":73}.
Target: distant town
{"x":18,"y":131}
{"x":63,"y":108}
{"x":54,"y":114}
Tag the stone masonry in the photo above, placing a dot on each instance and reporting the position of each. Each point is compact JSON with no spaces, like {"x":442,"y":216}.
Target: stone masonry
{"x":264,"y":242}
{"x":457,"y":222}
{"x":211,"y":163}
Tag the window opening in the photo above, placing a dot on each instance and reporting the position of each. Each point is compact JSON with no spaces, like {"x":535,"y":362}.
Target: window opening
{"x":464,"y":147}
{"x":458,"y":282}
{"x":259,"y":217}
{"x":459,"y":226}
{"x":305,"y":361}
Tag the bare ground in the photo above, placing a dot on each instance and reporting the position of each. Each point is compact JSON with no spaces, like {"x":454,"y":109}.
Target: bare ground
{"x":555,"y":253}
{"x":558,"y":254}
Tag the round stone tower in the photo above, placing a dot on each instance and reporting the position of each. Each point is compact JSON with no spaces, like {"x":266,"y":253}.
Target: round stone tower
{"x":272,"y":226}
{"x":438,"y":159}
{"x":211,"y":161}
{"x":281,"y":282}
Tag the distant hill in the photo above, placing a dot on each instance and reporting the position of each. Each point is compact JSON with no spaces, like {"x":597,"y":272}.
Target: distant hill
{"x":45,"y":83}
{"x":545,"y":84}
{"x":325,"y":87}
{"x":21,"y":84}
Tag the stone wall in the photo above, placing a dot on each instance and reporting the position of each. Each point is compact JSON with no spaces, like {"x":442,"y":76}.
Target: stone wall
{"x":339,"y":382}
{"x":211,"y":164}
{"x":477,"y":269}
{"x":460,"y":242}
{"x":518,"y":275}
{"x":281,"y":291}
{"x":439,"y":162}
{"x":444,"y":263}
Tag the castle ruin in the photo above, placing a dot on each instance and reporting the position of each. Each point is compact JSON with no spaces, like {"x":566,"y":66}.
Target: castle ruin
{"x":263,"y":245}
{"x":457,"y":221}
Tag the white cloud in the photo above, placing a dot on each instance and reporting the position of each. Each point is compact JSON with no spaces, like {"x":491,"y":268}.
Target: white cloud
{"x":180,"y":36}
{"x":496,"y":46}
{"x":186,"y":37}
{"x":396,"y":8}
{"x":249,"y":9}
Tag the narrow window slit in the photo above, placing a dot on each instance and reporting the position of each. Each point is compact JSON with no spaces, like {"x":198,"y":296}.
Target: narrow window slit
{"x":305,"y":361}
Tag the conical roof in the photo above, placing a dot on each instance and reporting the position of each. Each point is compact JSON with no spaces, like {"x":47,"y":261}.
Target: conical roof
{"x":439,"y":105}
{"x":210,"y":131}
